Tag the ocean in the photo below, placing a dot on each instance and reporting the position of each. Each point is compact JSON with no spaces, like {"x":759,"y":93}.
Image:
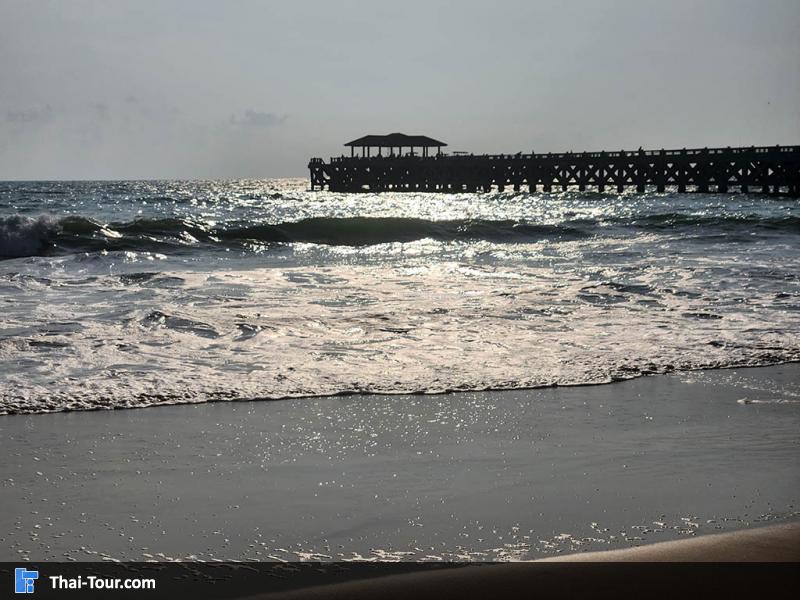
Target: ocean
{"x":128,"y":294}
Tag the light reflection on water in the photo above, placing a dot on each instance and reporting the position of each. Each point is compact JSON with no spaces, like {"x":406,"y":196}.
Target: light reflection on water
{"x":475,"y":476}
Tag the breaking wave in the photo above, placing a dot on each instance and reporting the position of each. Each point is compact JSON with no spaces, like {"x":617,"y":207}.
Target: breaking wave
{"x":44,"y":235}
{"x":25,"y":236}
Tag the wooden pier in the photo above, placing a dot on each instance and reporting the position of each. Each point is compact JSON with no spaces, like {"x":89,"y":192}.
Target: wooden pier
{"x":767,"y":170}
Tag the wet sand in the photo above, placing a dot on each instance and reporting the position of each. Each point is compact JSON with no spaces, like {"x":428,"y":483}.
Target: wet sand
{"x":474,"y":476}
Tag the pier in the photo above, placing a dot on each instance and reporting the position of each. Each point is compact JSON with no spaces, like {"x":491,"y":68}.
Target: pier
{"x":403,"y":163}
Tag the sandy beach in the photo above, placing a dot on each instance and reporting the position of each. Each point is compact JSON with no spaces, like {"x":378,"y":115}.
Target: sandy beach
{"x":514,"y":475}
{"x":612,"y":574}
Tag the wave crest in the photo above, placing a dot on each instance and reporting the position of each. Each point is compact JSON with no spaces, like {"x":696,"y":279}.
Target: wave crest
{"x":27,"y":236}
{"x":23,"y":236}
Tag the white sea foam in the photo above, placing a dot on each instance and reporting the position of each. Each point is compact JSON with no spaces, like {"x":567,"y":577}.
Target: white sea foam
{"x":151,"y":338}
{"x":767,"y":401}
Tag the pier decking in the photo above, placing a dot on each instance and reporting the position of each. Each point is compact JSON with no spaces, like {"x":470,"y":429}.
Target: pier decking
{"x":766,"y":169}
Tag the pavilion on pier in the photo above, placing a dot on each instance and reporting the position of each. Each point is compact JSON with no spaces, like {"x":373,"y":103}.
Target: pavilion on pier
{"x":395,"y":140}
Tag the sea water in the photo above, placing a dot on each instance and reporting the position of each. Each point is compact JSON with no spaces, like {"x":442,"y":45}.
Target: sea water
{"x":140,"y":293}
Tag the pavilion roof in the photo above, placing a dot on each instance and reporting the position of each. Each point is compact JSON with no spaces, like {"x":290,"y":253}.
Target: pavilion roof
{"x":395,"y":140}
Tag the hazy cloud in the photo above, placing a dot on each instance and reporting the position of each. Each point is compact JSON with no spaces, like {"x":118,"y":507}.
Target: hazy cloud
{"x":30,"y":115}
{"x":101,"y":111}
{"x":258,"y":120}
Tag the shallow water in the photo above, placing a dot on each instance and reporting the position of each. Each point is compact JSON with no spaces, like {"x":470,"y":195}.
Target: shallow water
{"x":473,"y":476}
{"x":131,"y":294}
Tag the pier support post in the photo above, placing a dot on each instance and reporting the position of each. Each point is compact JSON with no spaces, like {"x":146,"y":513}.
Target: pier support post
{"x":660,"y":174}
{"x":641,"y":171}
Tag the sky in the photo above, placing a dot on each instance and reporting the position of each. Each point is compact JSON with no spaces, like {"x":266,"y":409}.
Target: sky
{"x":142,"y":89}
